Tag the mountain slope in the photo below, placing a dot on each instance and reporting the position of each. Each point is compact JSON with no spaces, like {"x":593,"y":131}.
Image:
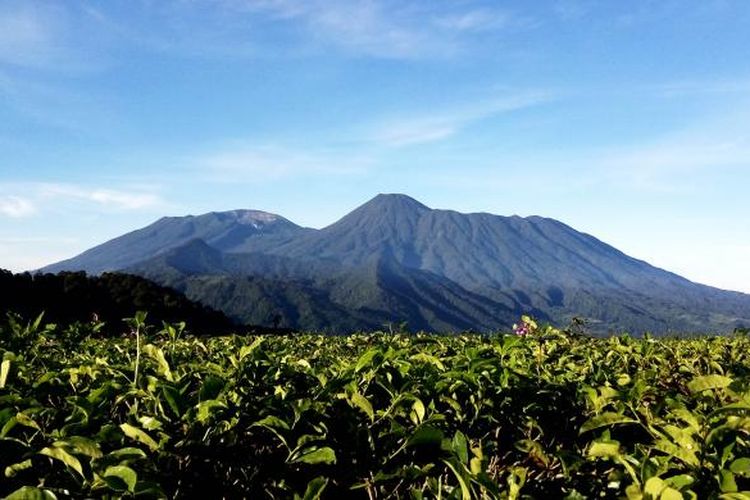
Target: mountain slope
{"x":319,"y":295}
{"x":228,"y":231}
{"x":543,"y":263}
{"x":395,"y":259}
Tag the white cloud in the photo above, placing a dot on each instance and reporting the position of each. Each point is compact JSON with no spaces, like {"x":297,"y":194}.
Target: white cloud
{"x":667,"y":165}
{"x":41,"y":35}
{"x":16,"y":207}
{"x":109,"y":198}
{"x":474,"y":20}
{"x":380,"y":28}
{"x":680,"y":159}
{"x":39,"y":197}
{"x":26,"y":36}
{"x":418,"y":131}
{"x":434,"y":127}
{"x":240,"y":162}
{"x":363,"y":27}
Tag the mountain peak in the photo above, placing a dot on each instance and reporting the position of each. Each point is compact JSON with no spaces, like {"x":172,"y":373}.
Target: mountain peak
{"x":253,"y":217}
{"x":397,"y":201}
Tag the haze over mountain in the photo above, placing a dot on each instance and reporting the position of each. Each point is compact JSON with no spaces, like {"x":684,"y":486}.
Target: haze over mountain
{"x":394,"y":259}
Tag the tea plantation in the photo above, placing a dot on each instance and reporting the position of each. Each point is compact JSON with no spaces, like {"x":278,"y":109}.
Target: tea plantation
{"x":157,"y":413}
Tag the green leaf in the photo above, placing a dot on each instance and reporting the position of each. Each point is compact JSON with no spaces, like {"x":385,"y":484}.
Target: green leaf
{"x":150,"y":423}
{"x":247,"y":350}
{"x":174,"y":399}
{"x":140,"y":436}
{"x":671,"y":494}
{"x":460,"y":446}
{"x":315,"y":488}
{"x":26,"y":421}
{"x":728,"y":483}
{"x":363,"y":404}
{"x":14,"y":469}
{"x":4,"y":371}
{"x":741,"y":466}
{"x":633,"y":492}
{"x":654,"y":486}
{"x":670,"y":448}
{"x":31,"y":493}
{"x":80,"y":445}
{"x":127,"y":454}
{"x":366,"y":358}
{"x":426,"y":436}
{"x":206,"y":408}
{"x":121,"y":474}
{"x":465,"y":491}
{"x":604,"y":420}
{"x":623,"y":379}
{"x":602,"y":449}
{"x":418,"y":411}
{"x":157,"y":355}
{"x":314,"y":455}
{"x":708,"y":382}
{"x":211,"y":388}
{"x":423,"y":357}
{"x":680,"y":481}
{"x":273,"y":422}
{"x":64,"y":457}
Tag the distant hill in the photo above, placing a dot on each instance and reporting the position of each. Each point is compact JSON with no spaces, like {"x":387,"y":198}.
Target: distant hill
{"x":72,"y":296}
{"x":394,"y":259}
{"x":226,"y":231}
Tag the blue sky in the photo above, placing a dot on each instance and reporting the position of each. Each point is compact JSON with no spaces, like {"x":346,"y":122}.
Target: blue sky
{"x":627,"y":120}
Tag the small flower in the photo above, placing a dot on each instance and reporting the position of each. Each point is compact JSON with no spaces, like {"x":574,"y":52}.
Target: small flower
{"x":526,"y":327}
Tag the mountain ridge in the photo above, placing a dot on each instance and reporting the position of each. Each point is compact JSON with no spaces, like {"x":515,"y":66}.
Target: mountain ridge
{"x":478,"y":270}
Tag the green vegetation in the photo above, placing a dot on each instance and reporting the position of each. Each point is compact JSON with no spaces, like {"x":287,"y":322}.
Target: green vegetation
{"x":540,"y":414}
{"x":72,"y":296}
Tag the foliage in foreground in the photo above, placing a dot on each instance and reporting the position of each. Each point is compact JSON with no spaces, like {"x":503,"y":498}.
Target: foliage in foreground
{"x":538,"y":415}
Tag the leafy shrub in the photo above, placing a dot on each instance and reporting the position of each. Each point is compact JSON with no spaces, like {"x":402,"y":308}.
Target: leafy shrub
{"x":542,"y":415}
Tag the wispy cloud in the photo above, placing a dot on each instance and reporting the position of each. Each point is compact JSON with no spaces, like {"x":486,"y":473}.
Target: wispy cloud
{"x":360,"y":27}
{"x":407,"y":131}
{"x":110,"y":198}
{"x":386,"y":29}
{"x":27,"y":35}
{"x":680,"y":159}
{"x":241,"y":162}
{"x":41,"y":197}
{"x":671,"y":166}
{"x":475,"y":20}
{"x":16,"y":206}
{"x":684,"y":88}
{"x":44,"y":36}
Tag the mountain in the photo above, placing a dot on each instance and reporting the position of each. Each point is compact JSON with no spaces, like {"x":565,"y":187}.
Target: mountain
{"x":320,"y":294}
{"x":394,"y":259}
{"x":227,"y":231}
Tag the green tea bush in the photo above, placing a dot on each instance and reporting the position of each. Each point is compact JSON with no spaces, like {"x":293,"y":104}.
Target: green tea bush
{"x":542,"y":414}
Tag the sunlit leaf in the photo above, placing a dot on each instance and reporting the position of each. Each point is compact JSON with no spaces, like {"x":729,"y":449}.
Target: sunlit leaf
{"x":31,"y":493}
{"x":315,"y":489}
{"x":708,"y":382}
{"x":606,"y":420}
{"x":139,"y":435}
{"x":64,"y":457}
{"x":314,"y":455}
{"x":363,"y":404}
{"x":123,"y":475}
